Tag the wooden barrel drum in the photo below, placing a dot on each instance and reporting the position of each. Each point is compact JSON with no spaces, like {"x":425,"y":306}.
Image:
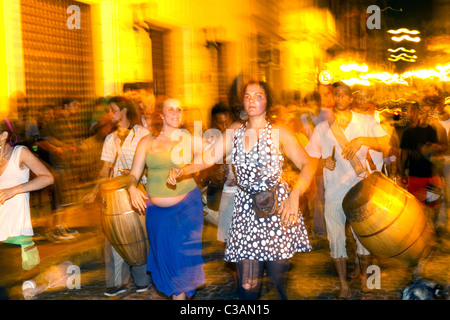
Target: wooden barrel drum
{"x":123,"y":226}
{"x":388,"y":221}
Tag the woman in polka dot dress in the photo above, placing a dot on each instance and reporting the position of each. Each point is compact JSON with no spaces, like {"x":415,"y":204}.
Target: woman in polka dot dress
{"x":270,"y":242}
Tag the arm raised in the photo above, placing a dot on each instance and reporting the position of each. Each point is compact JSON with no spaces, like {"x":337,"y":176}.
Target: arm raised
{"x":43,"y":177}
{"x":222,"y":147}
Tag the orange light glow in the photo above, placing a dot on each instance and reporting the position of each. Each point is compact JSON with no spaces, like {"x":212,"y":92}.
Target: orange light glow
{"x":440,"y":72}
{"x":354,"y":81}
{"x":385,"y":77}
{"x":354,"y":67}
{"x":395,"y":111}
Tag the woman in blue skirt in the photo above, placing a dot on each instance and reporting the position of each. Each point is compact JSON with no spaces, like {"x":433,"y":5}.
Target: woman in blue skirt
{"x":174,"y":216}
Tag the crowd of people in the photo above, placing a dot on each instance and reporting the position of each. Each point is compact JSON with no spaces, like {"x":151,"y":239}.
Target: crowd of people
{"x":278,"y":182}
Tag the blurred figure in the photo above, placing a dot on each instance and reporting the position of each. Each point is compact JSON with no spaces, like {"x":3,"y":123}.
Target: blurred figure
{"x":364,"y":100}
{"x":363,"y":103}
{"x":443,"y":109}
{"x":26,"y":128}
{"x":433,"y":103}
{"x":64,"y":134}
{"x":418,"y":146}
{"x":174,"y":215}
{"x":16,"y":229}
{"x":91,"y":148}
{"x":326,"y":107}
{"x":362,"y":132}
{"x":144,"y":98}
{"x":60,"y":138}
{"x":119,"y":147}
{"x":391,"y":157}
{"x":222,"y":119}
{"x":283,"y":117}
{"x":315,"y":114}
{"x":147,"y":108}
{"x":99,"y":115}
{"x":47,"y":116}
{"x":46,"y":152}
{"x":326,"y":97}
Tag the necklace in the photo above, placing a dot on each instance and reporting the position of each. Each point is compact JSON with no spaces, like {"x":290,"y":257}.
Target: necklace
{"x":164,"y":134}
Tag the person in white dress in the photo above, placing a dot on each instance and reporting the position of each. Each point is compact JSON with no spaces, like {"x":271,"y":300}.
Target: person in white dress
{"x":16,"y":162}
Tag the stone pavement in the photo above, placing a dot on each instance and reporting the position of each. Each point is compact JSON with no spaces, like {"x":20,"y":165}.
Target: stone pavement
{"x":311,"y":277}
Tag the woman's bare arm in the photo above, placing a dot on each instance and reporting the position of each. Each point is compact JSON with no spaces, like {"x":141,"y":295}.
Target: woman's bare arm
{"x":43,"y":177}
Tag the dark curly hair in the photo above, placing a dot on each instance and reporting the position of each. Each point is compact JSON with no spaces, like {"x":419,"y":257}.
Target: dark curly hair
{"x":267,"y":91}
{"x":5,"y":127}
{"x":122,"y":102}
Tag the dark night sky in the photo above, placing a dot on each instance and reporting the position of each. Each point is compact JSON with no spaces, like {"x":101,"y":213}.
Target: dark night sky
{"x":415,"y":14}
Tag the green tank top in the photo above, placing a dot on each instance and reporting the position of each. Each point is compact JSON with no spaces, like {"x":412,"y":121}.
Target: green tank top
{"x":158,"y":165}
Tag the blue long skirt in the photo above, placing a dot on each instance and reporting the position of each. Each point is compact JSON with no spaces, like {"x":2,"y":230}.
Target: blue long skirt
{"x":175,"y":255}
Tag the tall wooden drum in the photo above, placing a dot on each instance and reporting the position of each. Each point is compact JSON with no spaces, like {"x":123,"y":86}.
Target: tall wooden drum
{"x":389,"y":221}
{"x":123,"y":226}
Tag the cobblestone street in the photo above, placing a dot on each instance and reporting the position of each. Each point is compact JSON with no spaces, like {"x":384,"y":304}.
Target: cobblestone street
{"x":311,"y":277}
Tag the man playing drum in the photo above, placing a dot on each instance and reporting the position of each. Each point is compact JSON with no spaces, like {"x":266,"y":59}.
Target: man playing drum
{"x":119,"y":147}
{"x":362,"y":132}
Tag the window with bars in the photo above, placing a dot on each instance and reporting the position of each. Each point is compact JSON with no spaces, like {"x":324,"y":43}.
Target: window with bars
{"x":58,"y":61}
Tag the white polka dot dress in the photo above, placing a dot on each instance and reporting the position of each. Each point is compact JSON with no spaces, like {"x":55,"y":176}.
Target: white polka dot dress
{"x":263,"y":239}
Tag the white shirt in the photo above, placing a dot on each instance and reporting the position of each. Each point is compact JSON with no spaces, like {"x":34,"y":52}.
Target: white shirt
{"x":15,"y":217}
{"x":446,"y":125}
{"x":128,"y":148}
{"x":339,"y":181}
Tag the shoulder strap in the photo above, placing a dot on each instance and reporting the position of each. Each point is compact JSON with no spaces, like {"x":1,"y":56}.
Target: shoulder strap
{"x":310,"y":122}
{"x":119,"y":151}
{"x":15,"y":154}
{"x":342,"y":141}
